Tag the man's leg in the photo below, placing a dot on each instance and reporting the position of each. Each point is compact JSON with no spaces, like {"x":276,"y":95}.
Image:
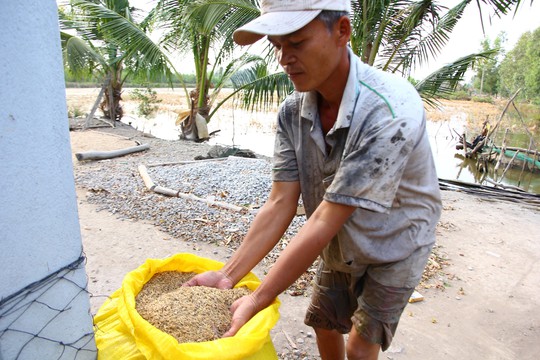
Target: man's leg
{"x":330,"y":343}
{"x":359,"y":348}
{"x":330,"y":311}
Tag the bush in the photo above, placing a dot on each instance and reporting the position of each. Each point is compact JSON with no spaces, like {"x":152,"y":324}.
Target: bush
{"x":148,"y":101}
{"x":460,"y":95}
{"x":74,"y":112}
{"x":483,"y":99}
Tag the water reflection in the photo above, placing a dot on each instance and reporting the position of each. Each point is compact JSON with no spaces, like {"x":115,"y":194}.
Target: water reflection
{"x":451,"y":164}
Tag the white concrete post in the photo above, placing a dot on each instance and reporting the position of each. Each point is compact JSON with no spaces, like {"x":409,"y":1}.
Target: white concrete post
{"x":44,"y":306}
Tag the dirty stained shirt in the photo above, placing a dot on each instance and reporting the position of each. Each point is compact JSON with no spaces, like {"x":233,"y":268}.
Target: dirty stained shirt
{"x":376,"y":158}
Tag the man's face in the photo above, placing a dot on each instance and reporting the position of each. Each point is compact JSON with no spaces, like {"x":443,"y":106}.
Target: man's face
{"x":309,"y":56}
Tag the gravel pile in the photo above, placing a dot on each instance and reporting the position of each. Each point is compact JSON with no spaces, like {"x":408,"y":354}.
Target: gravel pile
{"x":116,"y":186}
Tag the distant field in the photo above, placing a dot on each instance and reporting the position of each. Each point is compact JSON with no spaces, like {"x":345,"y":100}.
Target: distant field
{"x":473,"y":113}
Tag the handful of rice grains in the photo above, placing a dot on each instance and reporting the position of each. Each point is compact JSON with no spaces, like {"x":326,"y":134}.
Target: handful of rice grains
{"x":191,"y":313}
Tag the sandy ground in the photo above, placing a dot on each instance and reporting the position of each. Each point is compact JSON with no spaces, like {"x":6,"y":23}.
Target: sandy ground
{"x":482,"y":305}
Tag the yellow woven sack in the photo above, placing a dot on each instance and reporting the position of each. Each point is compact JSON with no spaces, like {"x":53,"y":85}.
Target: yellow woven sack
{"x":121,"y":333}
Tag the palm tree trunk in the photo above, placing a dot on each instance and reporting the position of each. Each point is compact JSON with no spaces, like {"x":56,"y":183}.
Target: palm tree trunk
{"x":111,"y":106}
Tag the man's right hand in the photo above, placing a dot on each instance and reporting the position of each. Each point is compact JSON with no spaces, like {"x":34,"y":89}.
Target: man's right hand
{"x":215,"y":279}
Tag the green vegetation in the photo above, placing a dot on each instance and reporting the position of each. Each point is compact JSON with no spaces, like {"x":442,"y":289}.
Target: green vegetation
{"x":147,"y":101}
{"x":105,"y":41}
{"x":505,"y":74}
{"x":520,"y":69}
{"x":75,"y":112}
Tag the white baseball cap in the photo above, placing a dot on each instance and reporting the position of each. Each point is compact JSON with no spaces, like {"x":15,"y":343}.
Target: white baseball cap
{"x":280,"y":17}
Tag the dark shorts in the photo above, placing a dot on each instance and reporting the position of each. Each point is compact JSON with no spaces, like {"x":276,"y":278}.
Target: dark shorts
{"x":372,"y":301}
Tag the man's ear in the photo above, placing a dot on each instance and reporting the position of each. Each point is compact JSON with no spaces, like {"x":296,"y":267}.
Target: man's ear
{"x":343,"y":26}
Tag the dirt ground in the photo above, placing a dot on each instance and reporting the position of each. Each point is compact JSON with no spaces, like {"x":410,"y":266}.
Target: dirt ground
{"x":482,"y":305}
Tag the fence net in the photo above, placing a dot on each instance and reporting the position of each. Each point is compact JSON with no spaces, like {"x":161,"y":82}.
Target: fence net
{"x":43,"y":320}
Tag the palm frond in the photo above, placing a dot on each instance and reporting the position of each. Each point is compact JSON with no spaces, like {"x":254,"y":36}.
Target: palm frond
{"x":79,"y":56}
{"x":261,"y":89}
{"x":444,"y":81}
{"x":431,"y":45}
{"x":126,"y":36}
{"x":234,"y":67}
{"x":223,"y":17}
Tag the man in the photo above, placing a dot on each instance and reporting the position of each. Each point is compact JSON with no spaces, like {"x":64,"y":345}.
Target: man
{"x":351,"y":140}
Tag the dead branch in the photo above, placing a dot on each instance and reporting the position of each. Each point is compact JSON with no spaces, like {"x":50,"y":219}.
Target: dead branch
{"x":503,"y":151}
{"x":509,"y":165}
{"x":482,"y":143}
{"x":96,"y":103}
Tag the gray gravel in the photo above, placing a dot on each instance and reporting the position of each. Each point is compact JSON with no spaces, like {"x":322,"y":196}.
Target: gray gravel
{"x":116,"y":186}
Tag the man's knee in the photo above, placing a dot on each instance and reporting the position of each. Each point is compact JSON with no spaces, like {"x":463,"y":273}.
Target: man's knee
{"x":359,"y":348}
{"x":330,"y":343}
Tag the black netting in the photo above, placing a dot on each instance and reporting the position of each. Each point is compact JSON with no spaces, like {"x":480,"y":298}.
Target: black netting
{"x":36,"y":321}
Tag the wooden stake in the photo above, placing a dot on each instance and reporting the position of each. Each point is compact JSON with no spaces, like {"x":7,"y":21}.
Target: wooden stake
{"x":464,"y":139}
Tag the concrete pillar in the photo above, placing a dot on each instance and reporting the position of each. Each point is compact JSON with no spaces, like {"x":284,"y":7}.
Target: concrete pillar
{"x":44,"y":305}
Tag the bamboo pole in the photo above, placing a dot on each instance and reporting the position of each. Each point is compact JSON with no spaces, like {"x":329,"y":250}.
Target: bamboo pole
{"x":508,"y":166}
{"x":186,"y":162}
{"x":150,"y":185}
{"x":525,"y":163}
{"x":501,"y":155}
{"x":502,"y":186}
{"x":528,"y":151}
{"x":148,"y":182}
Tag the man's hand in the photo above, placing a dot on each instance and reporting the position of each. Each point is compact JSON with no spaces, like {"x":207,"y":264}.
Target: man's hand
{"x":215,"y":279}
{"x":242,"y":310}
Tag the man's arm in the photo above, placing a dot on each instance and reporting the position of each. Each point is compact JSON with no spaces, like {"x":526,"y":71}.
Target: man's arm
{"x":318,"y":231}
{"x":267,"y":228}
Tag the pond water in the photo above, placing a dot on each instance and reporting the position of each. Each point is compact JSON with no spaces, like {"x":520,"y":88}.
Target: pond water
{"x":254,"y":131}
{"x":452,"y":164}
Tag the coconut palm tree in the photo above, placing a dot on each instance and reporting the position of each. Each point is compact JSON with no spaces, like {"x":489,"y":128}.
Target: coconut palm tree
{"x":394,"y":35}
{"x":203,"y":31}
{"x":399,"y":36}
{"x":102,"y":38}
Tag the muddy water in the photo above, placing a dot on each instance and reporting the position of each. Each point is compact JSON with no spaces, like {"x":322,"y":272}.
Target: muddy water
{"x":451,"y":164}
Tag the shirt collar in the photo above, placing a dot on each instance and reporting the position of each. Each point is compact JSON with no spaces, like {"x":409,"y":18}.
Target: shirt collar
{"x":348,"y":101}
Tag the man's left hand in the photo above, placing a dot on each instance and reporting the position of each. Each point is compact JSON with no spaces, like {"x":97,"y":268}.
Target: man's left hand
{"x":242,"y":310}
